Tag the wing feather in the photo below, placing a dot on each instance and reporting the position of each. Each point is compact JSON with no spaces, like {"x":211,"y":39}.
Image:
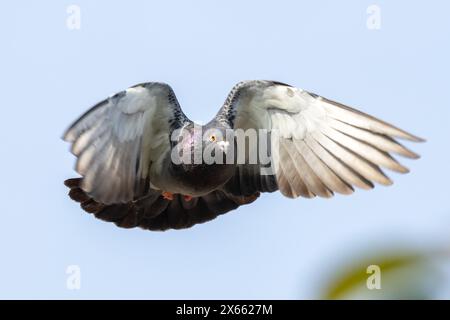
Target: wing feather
{"x":363,"y":149}
{"x":322,"y":171}
{"x":117,"y":141}
{"x":362,"y":120}
{"x":298,"y":184}
{"x":339,"y":168}
{"x":301,"y":170}
{"x":322,"y":146}
{"x":380,"y":141}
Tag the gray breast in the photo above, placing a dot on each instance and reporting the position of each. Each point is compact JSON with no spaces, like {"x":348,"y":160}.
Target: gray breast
{"x":200,"y":179}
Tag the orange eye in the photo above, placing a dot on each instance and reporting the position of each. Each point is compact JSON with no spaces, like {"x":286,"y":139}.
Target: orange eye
{"x":212,"y":138}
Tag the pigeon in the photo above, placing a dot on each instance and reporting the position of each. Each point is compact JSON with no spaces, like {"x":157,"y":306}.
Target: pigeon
{"x":142,"y":161}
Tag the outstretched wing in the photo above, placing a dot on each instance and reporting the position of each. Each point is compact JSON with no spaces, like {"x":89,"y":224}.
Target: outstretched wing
{"x":318,"y":146}
{"x":118,"y":140}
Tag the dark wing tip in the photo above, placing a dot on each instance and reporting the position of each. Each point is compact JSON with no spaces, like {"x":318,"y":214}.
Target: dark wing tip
{"x":279,"y":83}
{"x":418,"y":139}
{"x":72,"y":183}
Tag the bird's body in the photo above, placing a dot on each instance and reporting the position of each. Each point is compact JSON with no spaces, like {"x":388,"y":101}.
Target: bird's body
{"x":144,"y":163}
{"x":190,"y":178}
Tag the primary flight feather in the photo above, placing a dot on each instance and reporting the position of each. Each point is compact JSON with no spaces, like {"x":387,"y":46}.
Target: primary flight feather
{"x":125,"y":150}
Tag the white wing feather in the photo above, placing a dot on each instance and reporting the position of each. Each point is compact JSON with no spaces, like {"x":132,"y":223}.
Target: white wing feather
{"x":117,"y":141}
{"x":321,"y":146}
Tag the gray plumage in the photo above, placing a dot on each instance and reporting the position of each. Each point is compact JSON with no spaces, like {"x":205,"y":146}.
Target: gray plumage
{"x":317,"y":148}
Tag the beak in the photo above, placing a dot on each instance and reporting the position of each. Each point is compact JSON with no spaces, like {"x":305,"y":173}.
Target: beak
{"x":223,"y":145}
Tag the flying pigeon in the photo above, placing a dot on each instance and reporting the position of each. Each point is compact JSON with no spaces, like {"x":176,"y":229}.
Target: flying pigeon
{"x":125,"y":150}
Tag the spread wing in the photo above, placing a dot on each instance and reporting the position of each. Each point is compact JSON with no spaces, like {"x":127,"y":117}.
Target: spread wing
{"x":118,"y":140}
{"x":318,"y":146}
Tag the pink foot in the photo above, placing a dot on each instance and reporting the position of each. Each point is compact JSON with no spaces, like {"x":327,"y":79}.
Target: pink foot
{"x":167,"y":195}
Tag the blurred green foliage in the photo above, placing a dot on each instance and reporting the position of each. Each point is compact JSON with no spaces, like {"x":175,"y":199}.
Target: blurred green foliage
{"x":402,"y":275}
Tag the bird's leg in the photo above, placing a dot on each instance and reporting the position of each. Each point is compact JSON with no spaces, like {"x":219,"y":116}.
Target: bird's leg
{"x":187,"y":198}
{"x":167,"y":195}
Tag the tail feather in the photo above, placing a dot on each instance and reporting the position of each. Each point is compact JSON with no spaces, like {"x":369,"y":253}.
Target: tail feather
{"x":154,"y":212}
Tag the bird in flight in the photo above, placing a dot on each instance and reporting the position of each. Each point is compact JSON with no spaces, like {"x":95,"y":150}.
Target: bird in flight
{"x":143,"y":163}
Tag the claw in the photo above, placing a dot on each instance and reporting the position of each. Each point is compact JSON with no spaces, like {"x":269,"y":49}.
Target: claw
{"x":167,"y":195}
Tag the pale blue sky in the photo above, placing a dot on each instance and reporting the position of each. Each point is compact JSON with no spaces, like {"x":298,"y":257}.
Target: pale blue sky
{"x":274,"y":248}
